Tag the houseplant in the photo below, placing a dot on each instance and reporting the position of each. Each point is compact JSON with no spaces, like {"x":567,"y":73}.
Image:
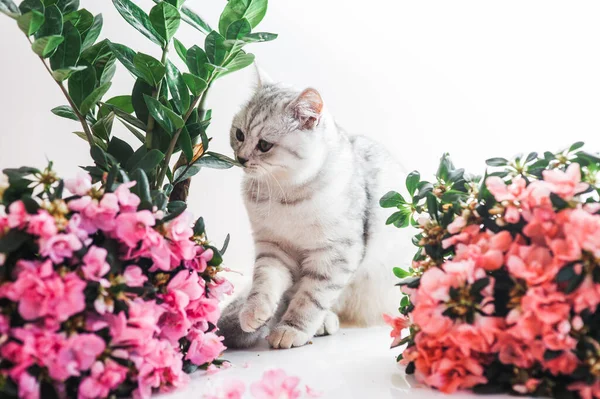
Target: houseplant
{"x":503,"y":292}
{"x":107,"y":286}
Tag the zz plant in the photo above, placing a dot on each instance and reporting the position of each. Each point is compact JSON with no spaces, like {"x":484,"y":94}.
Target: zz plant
{"x":166,"y":108}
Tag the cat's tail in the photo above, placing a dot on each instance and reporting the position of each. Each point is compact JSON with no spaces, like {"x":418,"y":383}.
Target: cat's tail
{"x":230,"y":329}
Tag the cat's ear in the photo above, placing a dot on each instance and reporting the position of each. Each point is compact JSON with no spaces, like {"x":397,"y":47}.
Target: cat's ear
{"x":262,"y":78}
{"x":307,"y":108}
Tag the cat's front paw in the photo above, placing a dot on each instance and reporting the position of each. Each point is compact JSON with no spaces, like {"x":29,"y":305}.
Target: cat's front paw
{"x":254,"y":315}
{"x":331,"y":325}
{"x":284,"y":337}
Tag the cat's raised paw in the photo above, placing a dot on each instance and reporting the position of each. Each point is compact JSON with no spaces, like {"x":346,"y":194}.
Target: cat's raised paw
{"x":285,"y":337}
{"x":254,"y":315}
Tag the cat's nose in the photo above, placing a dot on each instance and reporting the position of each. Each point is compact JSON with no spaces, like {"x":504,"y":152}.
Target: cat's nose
{"x":242,"y":160}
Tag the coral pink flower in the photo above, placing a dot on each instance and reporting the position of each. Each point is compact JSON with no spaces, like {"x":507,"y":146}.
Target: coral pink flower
{"x":59,"y":247}
{"x":534,"y":264}
{"x":42,"y":224}
{"x":486,"y":249}
{"x":565,"y":184}
{"x":509,"y":195}
{"x":586,"y":391}
{"x":586,"y":296}
{"x":104,"y":378}
{"x":204,"y":348}
{"x":94,"y":264}
{"x":457,"y":225}
{"x":134,"y":276}
{"x":233,"y":389}
{"x":17,"y":215}
{"x":129,"y":202}
{"x":564,"y":364}
{"x":398,"y":324}
{"x":528,"y":387}
{"x":548,"y":305}
{"x":131,"y":228}
{"x":29,"y":387}
{"x":583,"y":229}
{"x":80,"y":185}
{"x":276,"y":384}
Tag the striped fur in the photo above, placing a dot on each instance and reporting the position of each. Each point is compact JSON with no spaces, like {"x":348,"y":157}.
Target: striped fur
{"x":323,"y":250}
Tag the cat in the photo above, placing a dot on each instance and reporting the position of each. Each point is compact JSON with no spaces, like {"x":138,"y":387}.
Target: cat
{"x":323,"y":251}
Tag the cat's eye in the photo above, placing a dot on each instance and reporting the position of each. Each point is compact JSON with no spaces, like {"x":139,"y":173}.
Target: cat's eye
{"x":264,"y":146}
{"x":239,"y":135}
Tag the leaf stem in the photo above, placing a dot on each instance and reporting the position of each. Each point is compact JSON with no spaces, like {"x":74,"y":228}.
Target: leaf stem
{"x":155,"y":95}
{"x":84,"y":124}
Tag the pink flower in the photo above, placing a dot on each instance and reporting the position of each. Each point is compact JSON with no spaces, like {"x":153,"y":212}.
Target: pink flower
{"x":233,"y":389}
{"x":200,"y":261}
{"x":586,"y":391}
{"x":187,"y":283}
{"x":398,"y":324}
{"x":17,"y":215}
{"x":546,"y":303}
{"x":486,"y":249}
{"x":41,"y":292}
{"x":276,"y":384}
{"x":565,"y":184}
{"x":528,"y":387}
{"x":219,"y":287}
{"x":29,"y":387}
{"x":180,"y":228}
{"x":77,"y":227}
{"x":457,"y":225}
{"x":134,"y":276}
{"x":80,"y":185}
{"x":59,"y":247}
{"x":203,"y":310}
{"x":583,"y":229}
{"x":586,"y":296}
{"x":204,"y":348}
{"x":104,"y":378}
{"x":509,"y":195}
{"x":174,"y":325}
{"x":312,"y":393}
{"x":78,"y":355}
{"x":131,"y":228}
{"x":564,"y":364}
{"x":129,"y":202}
{"x":94,"y":264}
{"x":534,"y":264}
{"x":42,"y":224}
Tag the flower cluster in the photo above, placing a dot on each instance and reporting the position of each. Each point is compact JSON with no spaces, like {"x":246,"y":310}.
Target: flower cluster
{"x":503,"y":293}
{"x":102,"y":293}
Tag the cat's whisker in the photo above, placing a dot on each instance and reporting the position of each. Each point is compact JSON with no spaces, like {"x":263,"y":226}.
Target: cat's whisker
{"x":280,"y":188}
{"x":270,"y":192}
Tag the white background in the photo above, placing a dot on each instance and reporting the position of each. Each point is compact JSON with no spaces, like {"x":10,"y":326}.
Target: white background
{"x":476,"y":79}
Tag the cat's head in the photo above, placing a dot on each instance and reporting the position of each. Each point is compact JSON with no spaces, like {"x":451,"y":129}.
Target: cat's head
{"x":278,"y":132}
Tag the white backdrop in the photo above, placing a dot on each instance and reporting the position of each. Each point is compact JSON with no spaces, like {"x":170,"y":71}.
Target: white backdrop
{"x":476,"y":79}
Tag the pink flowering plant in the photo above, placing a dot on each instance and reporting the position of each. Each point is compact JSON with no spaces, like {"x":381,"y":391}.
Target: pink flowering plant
{"x":105,"y":290}
{"x":503,"y":292}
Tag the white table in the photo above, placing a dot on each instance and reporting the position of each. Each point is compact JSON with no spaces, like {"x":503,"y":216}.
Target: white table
{"x":355,"y":363}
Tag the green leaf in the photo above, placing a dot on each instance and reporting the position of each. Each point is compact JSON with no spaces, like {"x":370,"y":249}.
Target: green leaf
{"x":225,"y":245}
{"x":195,"y":60}
{"x":412,"y":180}
{"x":165,"y":117}
{"x":93,"y":98}
{"x":121,"y":102}
{"x":9,"y":8}
{"x":176,"y":3}
{"x":120,"y":150}
{"x":401,"y":273}
{"x":66,"y":6}
{"x":27,"y":5}
{"x":532,"y":156}
{"x":64,"y":111}
{"x":63,"y":74}
{"x":184,"y":172}
{"x":178,"y":88}
{"x":238,"y":29}
{"x":137,"y":18}
{"x":53,"y":23}
{"x":13,"y":240}
{"x":196,"y":85}
{"x":180,"y":49}
{"x":432,"y":206}
{"x":141,"y":88}
{"x":125,"y":55}
{"x":497,"y":162}
{"x":220,"y":161}
{"x":165,"y":19}
{"x":45,"y":46}
{"x":103,"y":127}
{"x":67,"y":54}
{"x":241,"y":60}
{"x":142,"y":188}
{"x":82,"y":84}
{"x":214,"y":45}
{"x":132,"y":120}
{"x":398,"y":219}
{"x":185,"y":142}
{"x":199,"y":228}
{"x":97,"y":141}
{"x":576,"y":146}
{"x":150,"y":160}
{"x":392,"y":200}
{"x":140,"y":136}
{"x":444,"y":168}
{"x":30,"y":23}
{"x":83,"y":22}
{"x":93,"y":32}
{"x":149,"y":68}
{"x":195,"y":20}
{"x":253,"y":10}
{"x":99,"y":157}
{"x":260,"y":37}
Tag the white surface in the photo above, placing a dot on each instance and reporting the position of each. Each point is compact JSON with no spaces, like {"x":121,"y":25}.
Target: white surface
{"x":355,"y":363}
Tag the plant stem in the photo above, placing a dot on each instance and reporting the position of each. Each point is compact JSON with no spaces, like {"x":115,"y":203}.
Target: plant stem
{"x":175,"y":138}
{"x":84,"y":124}
{"x":155,"y":95}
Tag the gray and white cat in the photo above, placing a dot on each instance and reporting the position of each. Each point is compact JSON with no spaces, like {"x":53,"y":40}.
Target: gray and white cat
{"x":323,"y":251}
